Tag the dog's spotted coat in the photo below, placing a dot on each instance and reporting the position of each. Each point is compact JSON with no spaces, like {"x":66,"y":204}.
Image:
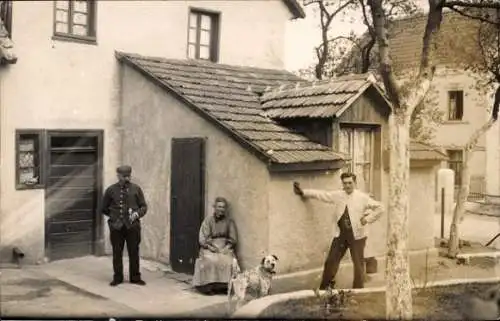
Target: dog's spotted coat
{"x":254,"y":283}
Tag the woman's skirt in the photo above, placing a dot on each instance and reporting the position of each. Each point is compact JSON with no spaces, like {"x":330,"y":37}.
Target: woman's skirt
{"x":212,"y":268}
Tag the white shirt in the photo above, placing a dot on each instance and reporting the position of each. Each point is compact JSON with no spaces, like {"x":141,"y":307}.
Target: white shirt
{"x":358,"y":204}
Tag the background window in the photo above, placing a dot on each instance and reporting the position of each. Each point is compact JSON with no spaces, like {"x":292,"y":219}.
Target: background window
{"x":28,"y":159}
{"x":203,"y":35}
{"x":455,"y":105}
{"x":455,"y":161}
{"x":75,"y":18}
{"x":358,"y":144}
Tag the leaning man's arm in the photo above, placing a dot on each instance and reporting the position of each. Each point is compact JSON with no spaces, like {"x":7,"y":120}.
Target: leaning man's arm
{"x":321,"y":195}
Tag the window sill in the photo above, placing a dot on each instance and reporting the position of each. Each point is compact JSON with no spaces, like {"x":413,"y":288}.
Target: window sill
{"x":73,"y":38}
{"x":24,"y":187}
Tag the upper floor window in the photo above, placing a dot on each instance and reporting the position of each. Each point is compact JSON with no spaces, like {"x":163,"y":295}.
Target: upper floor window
{"x":6,"y":15}
{"x":203,"y":35}
{"x":455,"y":105}
{"x":75,"y":19}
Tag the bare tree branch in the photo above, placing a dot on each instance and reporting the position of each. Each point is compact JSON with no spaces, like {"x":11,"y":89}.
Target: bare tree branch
{"x":434,"y":19}
{"x":465,"y":14}
{"x":468,"y":4}
{"x":380,"y":27}
{"x":326,"y":19}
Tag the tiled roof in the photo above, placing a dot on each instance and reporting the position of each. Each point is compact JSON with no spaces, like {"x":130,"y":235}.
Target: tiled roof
{"x":456,"y":43}
{"x":324,"y":99}
{"x":458,"y":34}
{"x":423,"y":151}
{"x":228,"y":96}
{"x":7,"y":54}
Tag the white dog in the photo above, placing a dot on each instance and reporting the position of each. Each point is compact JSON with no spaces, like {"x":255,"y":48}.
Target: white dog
{"x":255,"y":282}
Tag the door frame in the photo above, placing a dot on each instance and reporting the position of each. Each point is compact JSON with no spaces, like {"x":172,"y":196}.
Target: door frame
{"x":98,"y":231}
{"x":203,"y":200}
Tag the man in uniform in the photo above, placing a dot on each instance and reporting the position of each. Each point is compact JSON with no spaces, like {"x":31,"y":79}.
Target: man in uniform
{"x":125,"y":205}
{"x":353,"y":210}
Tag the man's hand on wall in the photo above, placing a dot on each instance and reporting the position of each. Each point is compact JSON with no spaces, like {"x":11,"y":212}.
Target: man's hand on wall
{"x":297,"y":189}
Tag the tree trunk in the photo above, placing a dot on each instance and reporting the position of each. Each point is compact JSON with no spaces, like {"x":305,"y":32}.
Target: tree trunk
{"x":399,"y":288}
{"x":463,"y":192}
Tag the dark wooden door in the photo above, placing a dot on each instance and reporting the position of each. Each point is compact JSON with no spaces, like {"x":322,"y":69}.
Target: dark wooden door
{"x":71,"y":196}
{"x":187,"y":201}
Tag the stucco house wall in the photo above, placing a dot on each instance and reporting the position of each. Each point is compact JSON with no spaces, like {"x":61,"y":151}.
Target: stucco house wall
{"x":422,"y":204}
{"x":455,"y":134}
{"x":69,"y":85}
{"x":151,"y":118}
{"x":300,"y":231}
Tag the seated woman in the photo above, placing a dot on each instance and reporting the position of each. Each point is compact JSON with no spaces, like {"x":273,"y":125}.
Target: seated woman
{"x":218,"y":238}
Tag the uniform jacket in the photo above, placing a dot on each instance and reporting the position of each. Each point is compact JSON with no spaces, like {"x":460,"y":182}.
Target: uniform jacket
{"x":119,"y":199}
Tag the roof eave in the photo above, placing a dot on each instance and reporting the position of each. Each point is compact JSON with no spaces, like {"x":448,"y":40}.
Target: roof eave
{"x":306,"y":166}
{"x":295,"y":8}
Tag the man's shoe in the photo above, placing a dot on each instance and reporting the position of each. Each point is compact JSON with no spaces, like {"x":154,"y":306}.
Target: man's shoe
{"x":138,"y":282}
{"x":115,"y":282}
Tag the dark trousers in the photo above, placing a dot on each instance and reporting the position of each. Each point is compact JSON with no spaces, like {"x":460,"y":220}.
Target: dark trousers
{"x":337,"y":251}
{"x":132,"y":236}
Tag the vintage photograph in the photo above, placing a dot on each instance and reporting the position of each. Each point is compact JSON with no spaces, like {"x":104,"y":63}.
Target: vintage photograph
{"x":250,"y":159}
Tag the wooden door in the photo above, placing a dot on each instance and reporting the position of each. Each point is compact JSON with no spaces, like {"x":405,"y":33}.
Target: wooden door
{"x":71,"y":196}
{"x":187,"y":201}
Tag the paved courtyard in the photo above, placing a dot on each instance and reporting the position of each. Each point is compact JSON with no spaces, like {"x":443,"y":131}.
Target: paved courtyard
{"x":475,"y":228}
{"x":79,"y":288}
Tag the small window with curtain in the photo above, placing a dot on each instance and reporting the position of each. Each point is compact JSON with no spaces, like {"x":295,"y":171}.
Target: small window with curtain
{"x":75,"y":20}
{"x":455,"y":105}
{"x":203,"y":35}
{"x":28,"y":159}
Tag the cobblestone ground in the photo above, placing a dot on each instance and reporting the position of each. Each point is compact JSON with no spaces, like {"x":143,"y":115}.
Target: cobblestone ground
{"x":78,"y":288}
{"x":32,"y":293}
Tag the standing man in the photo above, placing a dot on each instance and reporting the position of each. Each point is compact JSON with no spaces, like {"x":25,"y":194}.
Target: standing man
{"x":125,"y":205}
{"x":353,"y":209}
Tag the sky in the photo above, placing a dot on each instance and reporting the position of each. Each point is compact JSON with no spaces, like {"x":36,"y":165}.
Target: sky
{"x":302,"y":35}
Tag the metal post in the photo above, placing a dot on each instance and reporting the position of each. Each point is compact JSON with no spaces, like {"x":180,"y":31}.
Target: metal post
{"x":442,"y":213}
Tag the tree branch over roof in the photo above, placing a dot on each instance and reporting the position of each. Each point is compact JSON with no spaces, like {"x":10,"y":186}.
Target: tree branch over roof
{"x":434,"y":19}
{"x":326,"y":18}
{"x":380,"y":27}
